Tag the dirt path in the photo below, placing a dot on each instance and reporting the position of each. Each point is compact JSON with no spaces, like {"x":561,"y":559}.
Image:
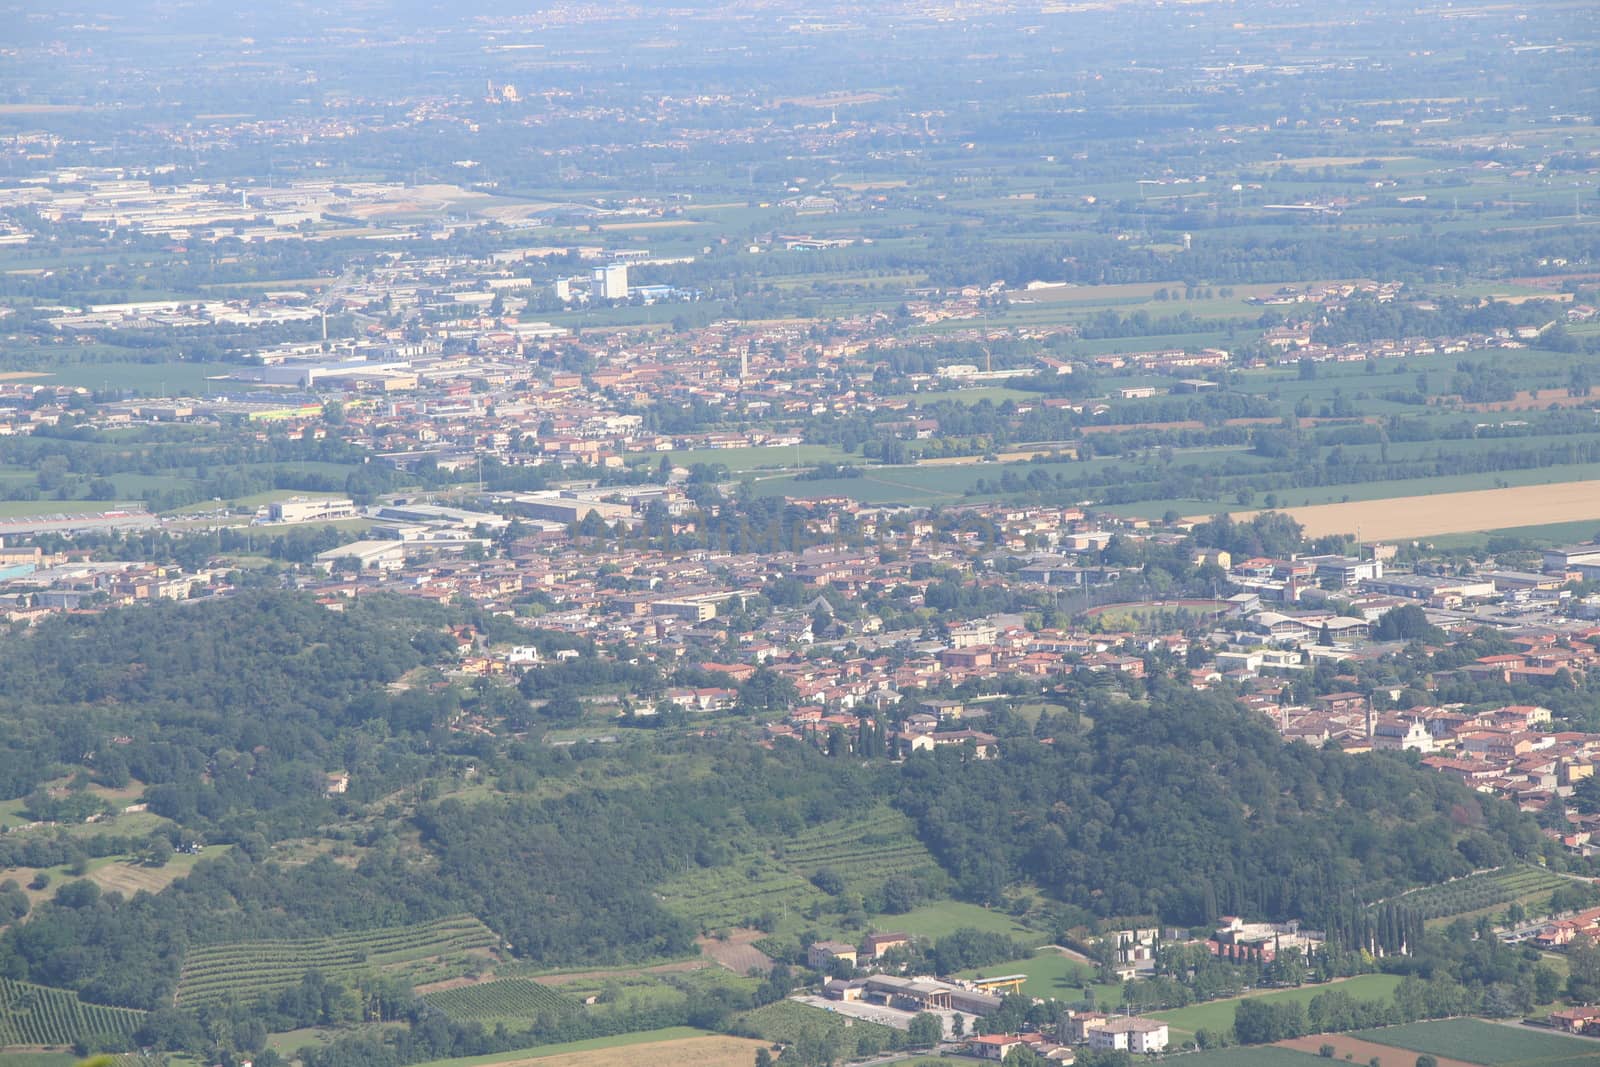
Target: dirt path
{"x":1364,"y":1051}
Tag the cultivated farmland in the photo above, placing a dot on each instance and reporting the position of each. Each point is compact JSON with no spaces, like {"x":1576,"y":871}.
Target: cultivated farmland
{"x":786,"y":1020}
{"x":38,"y":1015}
{"x":246,"y":970}
{"x":1475,"y":1041}
{"x":1425,"y":516}
{"x":865,"y":850}
{"x":737,"y":894}
{"x":1217,"y":1015}
{"x":1262,"y":1056}
{"x":1480,"y":891}
{"x":507,"y":999}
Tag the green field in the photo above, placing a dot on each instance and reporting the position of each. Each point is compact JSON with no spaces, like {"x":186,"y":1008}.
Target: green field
{"x":642,"y":1037}
{"x":39,"y":1059}
{"x":1555,"y":533}
{"x":508,"y":1000}
{"x":38,"y":1015}
{"x":1050,"y":974}
{"x":1217,"y":1015}
{"x":786,"y":1020}
{"x":1491,"y":1044}
{"x":738,"y":460}
{"x":1267,"y":1056}
{"x":156,"y":379}
{"x":246,"y":970}
{"x":946,"y":917}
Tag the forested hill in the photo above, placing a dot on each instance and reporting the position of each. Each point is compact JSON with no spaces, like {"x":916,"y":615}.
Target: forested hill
{"x":266,"y":674}
{"x":226,"y":717}
{"x":1189,"y":806}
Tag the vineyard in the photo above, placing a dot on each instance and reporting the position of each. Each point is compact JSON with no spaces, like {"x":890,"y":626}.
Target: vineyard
{"x":865,"y":850}
{"x":507,"y":999}
{"x":39,"y":1015}
{"x":1479,"y":891}
{"x":737,"y":894}
{"x":246,"y":970}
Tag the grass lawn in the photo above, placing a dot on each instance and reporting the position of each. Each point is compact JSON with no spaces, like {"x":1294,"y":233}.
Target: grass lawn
{"x":1491,"y":1044}
{"x":643,"y":1037}
{"x":1217,"y":1015}
{"x":945,"y":918}
{"x":1050,"y":974}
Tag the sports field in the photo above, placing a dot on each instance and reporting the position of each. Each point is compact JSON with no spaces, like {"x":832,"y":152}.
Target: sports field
{"x":1448,"y":513}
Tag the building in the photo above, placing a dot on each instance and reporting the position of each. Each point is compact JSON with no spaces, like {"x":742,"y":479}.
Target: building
{"x":993,"y":1046}
{"x":366,"y":555}
{"x":611,"y":281}
{"x":1575,"y":1020}
{"x":877,"y":944}
{"x":312,"y":510}
{"x":821,"y":952}
{"x":1132,"y":1034}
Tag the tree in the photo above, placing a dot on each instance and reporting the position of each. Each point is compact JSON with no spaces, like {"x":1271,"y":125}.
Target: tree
{"x":763,"y":1058}
{"x":925,"y":1031}
{"x":1583,"y":966}
{"x":1426,"y":1060}
{"x":1586,"y":795}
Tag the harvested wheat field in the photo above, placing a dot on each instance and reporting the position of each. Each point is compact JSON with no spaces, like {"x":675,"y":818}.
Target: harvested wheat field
{"x":1446,"y":513}
{"x":1364,"y":1051}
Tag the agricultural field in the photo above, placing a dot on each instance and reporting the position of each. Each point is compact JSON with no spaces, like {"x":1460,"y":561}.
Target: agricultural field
{"x":1479,"y":891}
{"x":507,"y":1000}
{"x":1349,"y":1047}
{"x":246,"y":970}
{"x":696,"y":1051}
{"x":1425,"y":516}
{"x":643,"y":1043}
{"x":1263,"y":1056}
{"x":1217,"y":1015}
{"x":738,"y":460}
{"x":738,"y":893}
{"x":865,"y":850}
{"x":38,"y":1015}
{"x":1489,"y":1044}
{"x":786,"y":1020}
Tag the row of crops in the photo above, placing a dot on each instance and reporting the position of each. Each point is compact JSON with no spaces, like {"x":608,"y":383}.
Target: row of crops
{"x":1478,"y":891}
{"x":247,"y":970}
{"x":732,"y":895}
{"x":38,"y":1015}
{"x":507,"y":998}
{"x":864,"y":849}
